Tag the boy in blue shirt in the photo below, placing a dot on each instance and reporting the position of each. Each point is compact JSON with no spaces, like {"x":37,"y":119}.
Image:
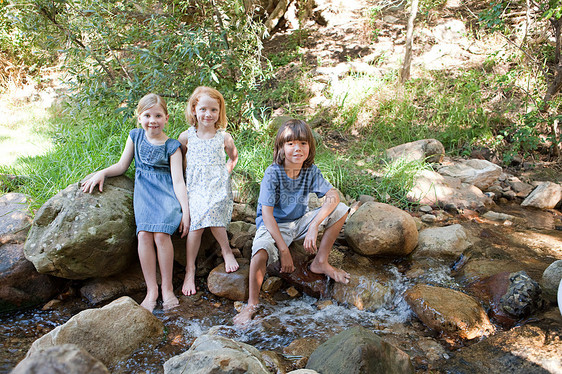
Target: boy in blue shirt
{"x":282,"y":215}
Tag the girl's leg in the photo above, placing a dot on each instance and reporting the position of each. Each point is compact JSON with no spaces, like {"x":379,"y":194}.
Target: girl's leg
{"x":258,"y":266}
{"x":147,"y":258}
{"x":192,"y":247}
{"x":230,"y":263}
{"x":320,"y":263}
{"x":165,"y":251}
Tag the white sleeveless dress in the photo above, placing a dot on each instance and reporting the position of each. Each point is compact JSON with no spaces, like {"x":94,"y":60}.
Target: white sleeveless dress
{"x":207,"y":181}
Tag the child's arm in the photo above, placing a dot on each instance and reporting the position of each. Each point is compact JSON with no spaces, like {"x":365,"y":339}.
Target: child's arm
{"x":114,"y":170}
{"x":183,"y":141}
{"x":285,"y":257}
{"x":332,"y":200}
{"x":231,"y":151}
{"x":180,"y":190}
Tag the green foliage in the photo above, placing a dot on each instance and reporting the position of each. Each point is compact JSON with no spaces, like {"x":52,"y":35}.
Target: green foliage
{"x":492,"y":18}
{"x":397,"y":180}
{"x":114,"y":53}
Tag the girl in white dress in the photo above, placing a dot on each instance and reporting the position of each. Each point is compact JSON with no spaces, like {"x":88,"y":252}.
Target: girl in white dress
{"x":207,"y":177}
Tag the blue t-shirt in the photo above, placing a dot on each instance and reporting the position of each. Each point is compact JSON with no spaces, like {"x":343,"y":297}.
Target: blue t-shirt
{"x":289,"y":197}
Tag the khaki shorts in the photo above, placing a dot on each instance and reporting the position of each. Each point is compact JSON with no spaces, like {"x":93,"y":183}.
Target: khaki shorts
{"x":295,"y":230}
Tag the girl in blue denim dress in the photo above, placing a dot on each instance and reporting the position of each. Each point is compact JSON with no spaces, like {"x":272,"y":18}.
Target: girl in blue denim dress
{"x":207,"y":176}
{"x":160,"y":199}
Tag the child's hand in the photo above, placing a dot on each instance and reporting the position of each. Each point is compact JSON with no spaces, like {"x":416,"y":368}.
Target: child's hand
{"x":184,"y":224}
{"x":286,"y":259}
{"x":96,"y":179}
{"x":310,"y":239}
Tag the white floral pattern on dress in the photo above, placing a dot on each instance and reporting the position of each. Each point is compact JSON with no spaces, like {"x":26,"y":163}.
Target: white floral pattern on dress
{"x":207,"y":181}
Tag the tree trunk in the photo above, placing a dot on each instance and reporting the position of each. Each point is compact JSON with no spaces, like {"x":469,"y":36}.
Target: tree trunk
{"x":405,"y":72}
{"x":555,"y":86}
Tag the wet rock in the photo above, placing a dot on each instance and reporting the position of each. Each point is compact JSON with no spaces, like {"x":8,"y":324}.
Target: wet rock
{"x":214,"y":353}
{"x":22,"y":285}
{"x":381,"y":229}
{"x":273,"y":361}
{"x":490,"y":290}
{"x":77,"y":235}
{"x":99,"y":290}
{"x":551,"y":279}
{"x":545,"y":196}
{"x":358,"y":350}
{"x":480,"y":268}
{"x":523,"y":296}
{"x":110,"y":334}
{"x":430,"y":150}
{"x":233,"y":286}
{"x":65,"y":358}
{"x":368,"y":288}
{"x":432,"y":188}
{"x":521,"y":350}
{"x":450,"y":312}
{"x":272,"y":284}
{"x":480,"y":173}
{"x":302,"y":348}
{"x":303,"y":279}
{"x":449,"y":240}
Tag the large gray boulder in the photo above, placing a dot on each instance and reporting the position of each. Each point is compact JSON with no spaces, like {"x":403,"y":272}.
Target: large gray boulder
{"x":66,"y":358}
{"x":22,"y":285}
{"x":445,"y":241}
{"x":77,"y":235}
{"x":110,"y":334}
{"x":358,"y":350}
{"x":432,"y":188}
{"x":545,"y":196}
{"x":430,"y":150}
{"x":217,"y":354}
{"x":381,"y":229}
{"x":480,"y":173}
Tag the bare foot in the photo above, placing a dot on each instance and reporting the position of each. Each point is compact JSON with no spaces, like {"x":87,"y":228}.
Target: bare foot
{"x":188,"y":287}
{"x":336,"y":274}
{"x":230,"y":263}
{"x":245,"y":315}
{"x":148,"y":304}
{"x":170,"y":303}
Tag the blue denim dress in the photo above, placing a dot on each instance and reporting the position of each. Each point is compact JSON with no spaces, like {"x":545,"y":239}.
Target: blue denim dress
{"x":156,"y":207}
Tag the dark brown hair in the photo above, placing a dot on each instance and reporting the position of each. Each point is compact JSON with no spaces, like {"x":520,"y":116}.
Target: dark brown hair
{"x":294,"y":129}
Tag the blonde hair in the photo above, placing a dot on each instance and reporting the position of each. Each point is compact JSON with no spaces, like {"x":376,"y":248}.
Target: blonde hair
{"x":294,"y":129}
{"x":190,"y":114}
{"x":150,"y":100}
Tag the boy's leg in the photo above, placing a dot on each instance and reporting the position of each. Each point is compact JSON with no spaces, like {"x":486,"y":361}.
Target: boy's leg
{"x":320,"y":263}
{"x":147,"y":258}
{"x":258,"y":266}
{"x":193,"y":243}
{"x":333,"y":223}
{"x":165,"y":252}
{"x":230,"y":263}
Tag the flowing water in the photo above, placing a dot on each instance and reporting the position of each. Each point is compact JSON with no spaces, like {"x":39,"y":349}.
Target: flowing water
{"x":283,"y":319}
{"x":278,"y":323}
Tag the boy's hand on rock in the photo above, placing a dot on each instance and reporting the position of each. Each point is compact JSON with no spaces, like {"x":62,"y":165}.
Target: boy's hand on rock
{"x":286,"y":259}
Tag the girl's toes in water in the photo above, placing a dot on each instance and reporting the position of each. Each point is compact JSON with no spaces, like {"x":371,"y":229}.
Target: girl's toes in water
{"x":188,"y":287}
{"x":170,"y":303}
{"x":148,"y":304}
